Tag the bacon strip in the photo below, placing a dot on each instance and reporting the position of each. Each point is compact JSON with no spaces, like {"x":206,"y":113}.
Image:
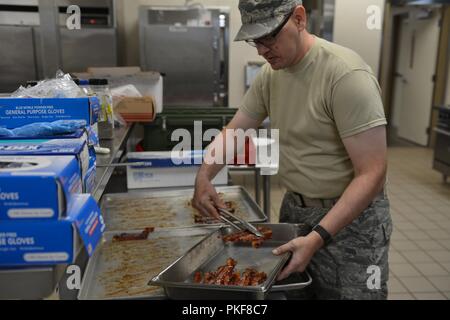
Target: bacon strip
{"x":134,"y":236}
{"x":246,"y":236}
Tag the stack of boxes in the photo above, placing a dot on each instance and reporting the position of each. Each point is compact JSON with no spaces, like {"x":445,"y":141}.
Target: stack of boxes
{"x":46,"y":212}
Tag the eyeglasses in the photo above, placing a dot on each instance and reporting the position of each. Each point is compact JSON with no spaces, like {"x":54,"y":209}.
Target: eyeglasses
{"x":269,"y":40}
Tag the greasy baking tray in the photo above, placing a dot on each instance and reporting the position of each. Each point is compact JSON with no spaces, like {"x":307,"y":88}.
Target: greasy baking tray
{"x":212,"y":252}
{"x":121,"y":270}
{"x":169,"y":209}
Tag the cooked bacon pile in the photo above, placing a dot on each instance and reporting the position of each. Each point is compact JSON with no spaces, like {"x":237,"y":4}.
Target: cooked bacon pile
{"x":225,"y":275}
{"x":134,"y":236}
{"x":246,"y":236}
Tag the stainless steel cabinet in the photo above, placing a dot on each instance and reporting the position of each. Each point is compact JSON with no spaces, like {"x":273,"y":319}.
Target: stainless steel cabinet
{"x":188,"y":60}
{"x":189,"y":46}
{"x":88,"y":48}
{"x":94,"y":45}
{"x":442,"y":148}
{"x":17,"y":56}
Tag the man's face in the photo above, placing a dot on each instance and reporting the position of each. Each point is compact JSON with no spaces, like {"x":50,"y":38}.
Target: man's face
{"x":284,"y":52}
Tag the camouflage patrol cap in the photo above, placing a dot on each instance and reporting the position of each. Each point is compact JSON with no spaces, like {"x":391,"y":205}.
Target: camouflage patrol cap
{"x":261,"y":17}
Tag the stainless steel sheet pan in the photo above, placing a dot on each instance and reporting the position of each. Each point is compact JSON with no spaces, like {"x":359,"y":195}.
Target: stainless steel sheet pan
{"x":212,"y":252}
{"x":169,"y":209}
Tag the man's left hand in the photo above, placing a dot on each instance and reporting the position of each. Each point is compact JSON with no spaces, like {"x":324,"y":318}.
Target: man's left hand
{"x":303,"y":249}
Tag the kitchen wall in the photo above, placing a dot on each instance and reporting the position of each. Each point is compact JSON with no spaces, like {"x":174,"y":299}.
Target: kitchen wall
{"x":240,"y":53}
{"x":350,"y":29}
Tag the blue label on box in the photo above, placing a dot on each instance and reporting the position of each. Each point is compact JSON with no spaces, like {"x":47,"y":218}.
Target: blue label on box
{"x":36,"y":243}
{"x":42,"y":147}
{"x":89,"y":222}
{"x":17,"y":112}
{"x":52,"y":242}
{"x":36,"y":187}
{"x":89,"y":179}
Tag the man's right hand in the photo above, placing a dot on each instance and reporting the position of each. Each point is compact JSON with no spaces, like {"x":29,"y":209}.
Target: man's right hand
{"x":206,"y":198}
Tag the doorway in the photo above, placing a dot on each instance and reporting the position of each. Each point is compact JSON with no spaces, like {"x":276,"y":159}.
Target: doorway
{"x":416,"y":57}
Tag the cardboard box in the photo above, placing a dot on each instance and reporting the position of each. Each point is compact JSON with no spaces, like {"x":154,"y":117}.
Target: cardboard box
{"x":148,"y":83}
{"x":34,"y":243}
{"x":17,"y":112}
{"x":76,"y":146}
{"x":37,"y":187}
{"x":160,"y":170}
{"x":137,"y":109}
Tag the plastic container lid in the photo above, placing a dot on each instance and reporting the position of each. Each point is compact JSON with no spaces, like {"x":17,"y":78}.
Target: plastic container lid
{"x":98,"y":82}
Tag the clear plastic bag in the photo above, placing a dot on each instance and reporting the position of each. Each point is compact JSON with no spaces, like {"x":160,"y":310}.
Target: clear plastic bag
{"x":61,"y":87}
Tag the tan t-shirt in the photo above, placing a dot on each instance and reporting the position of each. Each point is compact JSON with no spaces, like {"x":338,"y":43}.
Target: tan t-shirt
{"x":329,"y":95}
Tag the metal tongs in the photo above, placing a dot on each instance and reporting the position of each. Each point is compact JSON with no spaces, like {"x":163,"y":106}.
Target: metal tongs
{"x":227,"y":217}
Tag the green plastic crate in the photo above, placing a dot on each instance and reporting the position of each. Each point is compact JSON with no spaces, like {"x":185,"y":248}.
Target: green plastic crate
{"x":157,"y":135}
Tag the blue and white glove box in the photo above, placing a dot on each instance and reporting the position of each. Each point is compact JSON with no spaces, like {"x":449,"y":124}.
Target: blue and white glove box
{"x":162,"y":169}
{"x":77,"y":147}
{"x":17,"y":112}
{"x":51,"y":242}
{"x":37,"y":187}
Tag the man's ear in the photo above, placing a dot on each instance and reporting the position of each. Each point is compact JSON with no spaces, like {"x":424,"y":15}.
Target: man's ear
{"x":299,"y":16}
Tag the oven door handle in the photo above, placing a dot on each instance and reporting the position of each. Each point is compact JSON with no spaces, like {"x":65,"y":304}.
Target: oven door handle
{"x":445,"y":133}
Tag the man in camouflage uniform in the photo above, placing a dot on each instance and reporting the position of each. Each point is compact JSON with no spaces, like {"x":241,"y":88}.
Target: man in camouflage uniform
{"x":326,"y":104}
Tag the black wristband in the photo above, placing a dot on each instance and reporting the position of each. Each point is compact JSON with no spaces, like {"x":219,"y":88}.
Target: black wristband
{"x":324,"y":234}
